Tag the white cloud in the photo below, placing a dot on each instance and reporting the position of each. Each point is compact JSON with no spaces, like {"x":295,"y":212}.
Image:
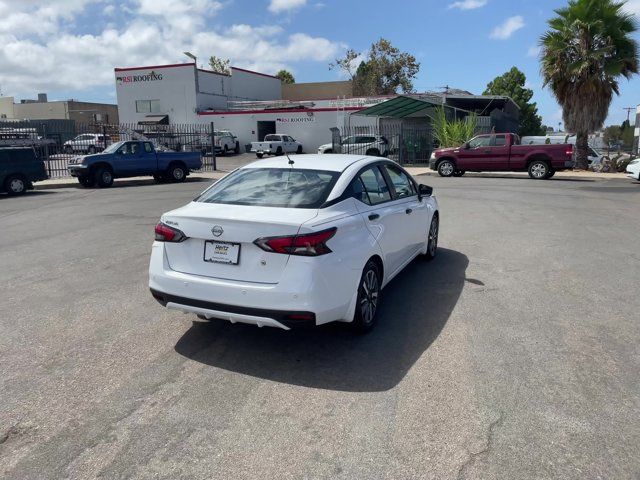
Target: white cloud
{"x":468,"y":4}
{"x":154,"y":32}
{"x":534,"y":51}
{"x":507,"y":28}
{"x":277,"y":6}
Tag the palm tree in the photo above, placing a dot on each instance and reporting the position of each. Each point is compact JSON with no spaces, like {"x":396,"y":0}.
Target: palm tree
{"x":588,"y":47}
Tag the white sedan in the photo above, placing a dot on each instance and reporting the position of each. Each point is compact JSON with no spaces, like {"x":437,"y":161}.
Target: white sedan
{"x":293,"y":242}
{"x":633,"y":169}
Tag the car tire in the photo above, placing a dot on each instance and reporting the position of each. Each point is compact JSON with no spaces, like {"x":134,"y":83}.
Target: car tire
{"x":299,"y":150}
{"x":539,"y":170}
{"x":459,"y":173}
{"x":15,"y":185}
{"x":446,"y":168}
{"x":177,"y":173}
{"x":330,"y":150}
{"x":225,"y":151}
{"x":259,"y":155}
{"x":159,"y":178}
{"x":432,"y":239}
{"x":279,"y":151}
{"x":551,"y":173}
{"x":86,"y":181}
{"x":368,"y":300}
{"x":103,"y":177}
{"x":236,"y":150}
{"x":372,"y":152}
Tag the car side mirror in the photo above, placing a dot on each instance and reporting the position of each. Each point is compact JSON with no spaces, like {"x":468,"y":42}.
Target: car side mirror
{"x":466,"y":146}
{"x":425,"y":190}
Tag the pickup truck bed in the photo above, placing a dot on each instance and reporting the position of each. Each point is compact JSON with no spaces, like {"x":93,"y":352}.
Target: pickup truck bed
{"x":502,"y":152}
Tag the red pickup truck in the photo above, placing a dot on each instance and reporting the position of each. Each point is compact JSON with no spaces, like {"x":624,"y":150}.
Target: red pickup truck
{"x":502,"y":152}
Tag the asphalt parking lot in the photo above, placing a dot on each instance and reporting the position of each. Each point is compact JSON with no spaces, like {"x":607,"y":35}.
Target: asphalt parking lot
{"x":513,"y":355}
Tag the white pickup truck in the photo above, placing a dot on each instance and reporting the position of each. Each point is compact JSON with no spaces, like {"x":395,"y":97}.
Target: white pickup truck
{"x":276,"y":144}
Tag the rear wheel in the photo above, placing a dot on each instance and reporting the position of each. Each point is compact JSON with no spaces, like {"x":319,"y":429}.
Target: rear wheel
{"x":86,"y":181}
{"x":299,"y":149}
{"x":539,"y":169}
{"x":446,"y":168}
{"x":236,"y":150}
{"x":259,"y":155}
{"x":15,"y":185}
{"x":432,"y":238}
{"x":368,"y":298}
{"x":103,"y":176}
{"x":177,"y":173}
{"x":279,"y":151}
{"x":225,"y":151}
{"x":459,"y":173}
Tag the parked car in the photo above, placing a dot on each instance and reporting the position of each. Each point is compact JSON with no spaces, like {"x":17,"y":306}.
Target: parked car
{"x":633,"y":169}
{"x":371,"y":145}
{"x":133,"y":159}
{"x":87,"y":143}
{"x":286,"y":245}
{"x":502,"y":152}
{"x":276,"y":144}
{"x":19,"y":168}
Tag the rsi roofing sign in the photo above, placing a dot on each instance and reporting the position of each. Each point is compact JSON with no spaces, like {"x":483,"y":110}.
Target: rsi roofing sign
{"x":144,"y":77}
{"x":309,"y":118}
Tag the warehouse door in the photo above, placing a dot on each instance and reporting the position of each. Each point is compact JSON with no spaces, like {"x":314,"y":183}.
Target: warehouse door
{"x":265,"y":128}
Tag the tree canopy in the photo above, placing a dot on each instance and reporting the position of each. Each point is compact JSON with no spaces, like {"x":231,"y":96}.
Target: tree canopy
{"x":383,"y":70}
{"x":286,"y":76}
{"x":588,"y":47}
{"x":219,"y":65}
{"x":512,"y":84}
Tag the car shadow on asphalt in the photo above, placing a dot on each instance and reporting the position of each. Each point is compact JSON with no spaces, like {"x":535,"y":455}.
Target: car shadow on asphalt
{"x":31,"y":193}
{"x":416,"y":306}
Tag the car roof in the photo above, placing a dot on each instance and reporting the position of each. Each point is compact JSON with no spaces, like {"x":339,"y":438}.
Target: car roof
{"x":328,"y":162}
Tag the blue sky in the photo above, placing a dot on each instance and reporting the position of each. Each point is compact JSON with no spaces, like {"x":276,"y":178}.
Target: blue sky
{"x":68,"y":48}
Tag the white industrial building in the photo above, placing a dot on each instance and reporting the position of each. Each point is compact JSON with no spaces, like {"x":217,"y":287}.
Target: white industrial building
{"x":247,"y":103}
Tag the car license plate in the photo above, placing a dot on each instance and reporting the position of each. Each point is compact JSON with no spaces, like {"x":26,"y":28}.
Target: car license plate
{"x":221,"y":252}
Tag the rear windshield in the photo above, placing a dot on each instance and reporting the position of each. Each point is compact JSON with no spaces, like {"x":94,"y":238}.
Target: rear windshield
{"x":272,"y":187}
{"x":272,"y":138}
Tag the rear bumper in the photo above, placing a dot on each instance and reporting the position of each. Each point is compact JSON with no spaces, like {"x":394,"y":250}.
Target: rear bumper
{"x":303,"y":296}
{"x":261,"y":317}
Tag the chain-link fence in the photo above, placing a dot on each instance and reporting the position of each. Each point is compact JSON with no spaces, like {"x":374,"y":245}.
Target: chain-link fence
{"x":405,"y":144}
{"x":57,"y":141}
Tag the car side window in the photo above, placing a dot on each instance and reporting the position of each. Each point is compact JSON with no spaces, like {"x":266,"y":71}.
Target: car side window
{"x":148,"y":148}
{"x":479,"y":142}
{"x":375,"y":186}
{"x":402,"y":184}
{"x":498,"y":141}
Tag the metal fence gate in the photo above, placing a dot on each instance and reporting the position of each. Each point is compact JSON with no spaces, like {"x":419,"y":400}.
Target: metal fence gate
{"x":407,"y":144}
{"x":56,"y":141}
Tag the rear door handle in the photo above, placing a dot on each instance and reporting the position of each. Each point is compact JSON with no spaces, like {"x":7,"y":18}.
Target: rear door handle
{"x":408,"y":211}
{"x":374,"y":216}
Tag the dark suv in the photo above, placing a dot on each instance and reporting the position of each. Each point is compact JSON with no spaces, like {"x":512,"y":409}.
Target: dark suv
{"x":19,"y":168}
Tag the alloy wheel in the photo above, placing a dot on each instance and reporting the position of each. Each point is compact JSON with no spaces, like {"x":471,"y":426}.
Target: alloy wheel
{"x":369,"y":301}
{"x":433,"y":237}
{"x":538,"y":170}
{"x":16,"y":185}
{"x":446,"y":169}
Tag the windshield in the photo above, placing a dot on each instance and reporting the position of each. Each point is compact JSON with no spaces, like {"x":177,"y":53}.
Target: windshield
{"x":113,"y":147}
{"x":272,"y":187}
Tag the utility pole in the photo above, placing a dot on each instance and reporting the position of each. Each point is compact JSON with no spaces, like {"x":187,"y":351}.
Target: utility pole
{"x":629,"y":110}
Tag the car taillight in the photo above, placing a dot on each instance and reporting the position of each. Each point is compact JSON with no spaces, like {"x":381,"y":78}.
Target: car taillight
{"x":569,"y":151}
{"x":308,"y":244}
{"x":165,"y":233}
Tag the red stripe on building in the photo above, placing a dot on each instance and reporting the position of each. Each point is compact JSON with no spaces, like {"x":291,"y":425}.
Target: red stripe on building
{"x":283,"y":110}
{"x":126,"y":69}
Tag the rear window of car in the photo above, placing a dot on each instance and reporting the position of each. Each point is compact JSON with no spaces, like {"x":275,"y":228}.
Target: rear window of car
{"x":272,"y":187}
{"x":272,"y":138}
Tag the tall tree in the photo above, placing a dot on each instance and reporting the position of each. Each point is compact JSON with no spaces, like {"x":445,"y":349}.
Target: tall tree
{"x":586,"y":50}
{"x":219,"y":65}
{"x":512,"y":84}
{"x":383,"y":71}
{"x":286,"y":76}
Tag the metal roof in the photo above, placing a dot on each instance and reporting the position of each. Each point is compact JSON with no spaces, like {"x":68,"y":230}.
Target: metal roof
{"x":402,"y":106}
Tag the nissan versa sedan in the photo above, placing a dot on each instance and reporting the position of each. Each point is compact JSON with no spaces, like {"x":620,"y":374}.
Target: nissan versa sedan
{"x":294,"y":242}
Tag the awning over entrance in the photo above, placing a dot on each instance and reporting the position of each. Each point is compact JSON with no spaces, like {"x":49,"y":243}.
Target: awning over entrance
{"x":155,"y":120}
{"x":403,"y":106}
